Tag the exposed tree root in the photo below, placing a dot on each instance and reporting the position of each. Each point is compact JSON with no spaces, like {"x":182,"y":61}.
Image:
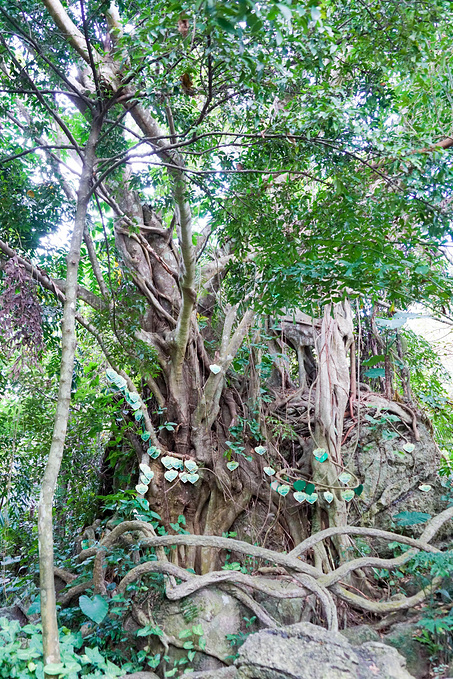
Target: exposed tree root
{"x":311,"y":580}
{"x":313,"y":540}
{"x":192,"y":583}
{"x":248,"y":601}
{"x":66,"y":597}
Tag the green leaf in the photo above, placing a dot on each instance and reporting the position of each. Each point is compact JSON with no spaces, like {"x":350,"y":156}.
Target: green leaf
{"x":315,"y":13}
{"x":226,"y":25}
{"x":170,"y":475}
{"x":345,"y":477}
{"x":148,"y":630}
{"x":27,"y":654}
{"x":299,"y":485}
{"x":310,"y":488}
{"x":35,"y":607}
{"x":375,"y":372}
{"x":96,"y":608}
{"x":358,"y":490}
{"x":374,"y":360}
{"x":153,"y":452}
{"x":285,"y":10}
{"x":94,"y":656}
{"x":185,"y":634}
{"x":411,"y":518}
{"x":54,"y":668}
{"x":198,"y":630}
{"x":111,"y":374}
{"x":320,"y":454}
{"x":133,"y":397}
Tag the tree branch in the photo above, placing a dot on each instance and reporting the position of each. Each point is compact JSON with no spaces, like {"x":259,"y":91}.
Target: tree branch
{"x":85,"y":295}
{"x":69,"y":30}
{"x":95,"y":264}
{"x":54,"y":285}
{"x":209,"y":402}
{"x":41,"y":99}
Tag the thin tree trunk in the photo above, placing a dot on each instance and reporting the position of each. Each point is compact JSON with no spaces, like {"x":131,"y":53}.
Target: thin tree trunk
{"x":51,"y":646}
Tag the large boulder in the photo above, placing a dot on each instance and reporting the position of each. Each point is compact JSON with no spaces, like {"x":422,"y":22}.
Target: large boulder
{"x":305,"y":651}
{"x":402,"y":637}
{"x":286,"y":611}
{"x":224,"y":673}
{"x":391,"y":476}
{"x":360,"y":634}
{"x":216,"y":612}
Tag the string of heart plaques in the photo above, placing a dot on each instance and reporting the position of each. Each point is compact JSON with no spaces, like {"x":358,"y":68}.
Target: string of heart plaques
{"x":119,"y":384}
{"x":304,"y":490}
{"x":184,"y":470}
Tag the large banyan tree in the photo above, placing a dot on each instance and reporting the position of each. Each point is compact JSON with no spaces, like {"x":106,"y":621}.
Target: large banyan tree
{"x":254,"y":194}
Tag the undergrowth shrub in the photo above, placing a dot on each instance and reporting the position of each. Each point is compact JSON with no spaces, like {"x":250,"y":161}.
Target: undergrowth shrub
{"x":21,"y":655}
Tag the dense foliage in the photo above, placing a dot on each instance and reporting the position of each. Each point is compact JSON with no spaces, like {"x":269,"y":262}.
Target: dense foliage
{"x":268,"y":193}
